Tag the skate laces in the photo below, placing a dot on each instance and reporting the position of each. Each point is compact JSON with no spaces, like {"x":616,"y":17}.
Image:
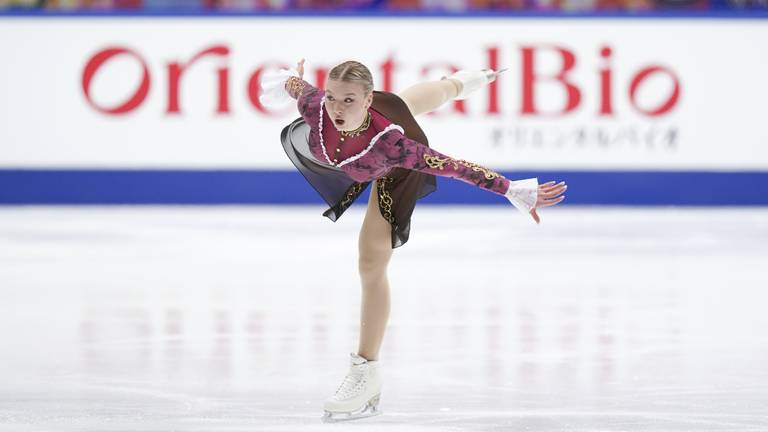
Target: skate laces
{"x":353,"y":382}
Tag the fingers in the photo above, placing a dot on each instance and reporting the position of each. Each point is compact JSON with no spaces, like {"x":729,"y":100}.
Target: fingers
{"x":551,"y":185}
{"x":550,"y":202}
{"x":551,"y":193}
{"x":535,"y":215}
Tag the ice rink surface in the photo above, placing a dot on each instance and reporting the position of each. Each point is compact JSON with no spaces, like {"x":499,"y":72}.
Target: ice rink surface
{"x":243,"y":318}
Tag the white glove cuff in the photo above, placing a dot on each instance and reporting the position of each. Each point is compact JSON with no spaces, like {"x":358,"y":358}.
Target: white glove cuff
{"x":523,"y":194}
{"x":273,"y":92}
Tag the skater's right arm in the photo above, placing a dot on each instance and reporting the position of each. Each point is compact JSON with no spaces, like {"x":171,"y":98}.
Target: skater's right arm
{"x":307,"y":97}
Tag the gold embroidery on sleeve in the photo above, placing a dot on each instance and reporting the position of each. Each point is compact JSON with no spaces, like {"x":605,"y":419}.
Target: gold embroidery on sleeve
{"x":439,"y":163}
{"x":489,"y":175}
{"x":294,"y":86}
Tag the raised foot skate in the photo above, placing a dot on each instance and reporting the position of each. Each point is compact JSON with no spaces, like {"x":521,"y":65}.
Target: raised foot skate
{"x":370,"y":409}
{"x":472,"y":80}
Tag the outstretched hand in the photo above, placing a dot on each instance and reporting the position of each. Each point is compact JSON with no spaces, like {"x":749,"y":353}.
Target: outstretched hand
{"x":548,"y":195}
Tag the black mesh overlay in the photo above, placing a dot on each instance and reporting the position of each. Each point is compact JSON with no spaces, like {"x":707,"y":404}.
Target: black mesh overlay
{"x":398,"y":189}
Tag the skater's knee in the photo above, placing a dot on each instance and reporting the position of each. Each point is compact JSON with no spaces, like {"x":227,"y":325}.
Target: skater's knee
{"x":373,"y":261}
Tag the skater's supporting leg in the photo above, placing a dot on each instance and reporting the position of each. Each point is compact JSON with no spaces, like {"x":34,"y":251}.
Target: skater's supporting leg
{"x":429,"y":95}
{"x":375,"y":248}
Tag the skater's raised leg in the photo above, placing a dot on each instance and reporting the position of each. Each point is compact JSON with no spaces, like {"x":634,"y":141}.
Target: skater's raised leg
{"x":427,"y":96}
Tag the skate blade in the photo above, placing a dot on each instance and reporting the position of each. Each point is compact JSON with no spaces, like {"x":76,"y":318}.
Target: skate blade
{"x":329,"y":417}
{"x":369,"y":410}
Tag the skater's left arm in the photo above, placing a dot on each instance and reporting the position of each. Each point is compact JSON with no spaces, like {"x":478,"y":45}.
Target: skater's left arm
{"x":413,"y":155}
{"x":526,"y":195}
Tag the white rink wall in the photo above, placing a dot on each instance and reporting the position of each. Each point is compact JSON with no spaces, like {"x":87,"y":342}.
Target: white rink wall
{"x":665,"y":100}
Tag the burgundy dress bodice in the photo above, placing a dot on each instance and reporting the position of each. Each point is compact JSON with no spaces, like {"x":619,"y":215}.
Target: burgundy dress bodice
{"x":383,"y":147}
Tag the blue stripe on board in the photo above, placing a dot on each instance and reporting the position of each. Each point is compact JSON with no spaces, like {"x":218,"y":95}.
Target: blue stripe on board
{"x":200,"y":13}
{"x":699,"y":188}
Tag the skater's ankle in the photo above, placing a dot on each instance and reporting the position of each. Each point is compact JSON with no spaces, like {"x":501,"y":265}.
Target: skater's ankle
{"x":368,"y":358}
{"x":458,"y":85}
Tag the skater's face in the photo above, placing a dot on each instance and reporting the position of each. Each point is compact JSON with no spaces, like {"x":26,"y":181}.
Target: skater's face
{"x":347,"y":103}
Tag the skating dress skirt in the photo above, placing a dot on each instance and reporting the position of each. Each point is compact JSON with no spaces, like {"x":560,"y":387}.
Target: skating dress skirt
{"x":398,"y":190}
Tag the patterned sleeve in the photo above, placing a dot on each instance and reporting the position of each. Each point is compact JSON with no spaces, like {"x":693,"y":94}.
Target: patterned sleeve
{"x":307,"y":97}
{"x":413,"y":155}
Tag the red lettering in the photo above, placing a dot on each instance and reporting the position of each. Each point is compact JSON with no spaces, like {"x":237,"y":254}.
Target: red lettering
{"x":223,"y":105}
{"x":644,"y":74}
{"x":175,"y":70}
{"x":529,"y":79}
{"x":605,"y":83}
{"x":320,"y":75}
{"x":93,"y":66}
{"x":387,"y":68}
{"x":493,"y":88}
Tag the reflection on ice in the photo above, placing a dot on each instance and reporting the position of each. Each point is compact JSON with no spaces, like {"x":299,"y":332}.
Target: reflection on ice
{"x":242,"y":319}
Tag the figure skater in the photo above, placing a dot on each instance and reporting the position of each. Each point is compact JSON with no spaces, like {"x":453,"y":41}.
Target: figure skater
{"x":350,"y":136}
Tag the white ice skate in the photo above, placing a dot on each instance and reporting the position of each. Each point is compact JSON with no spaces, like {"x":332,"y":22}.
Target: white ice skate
{"x":471,"y":81}
{"x":358,"y":395}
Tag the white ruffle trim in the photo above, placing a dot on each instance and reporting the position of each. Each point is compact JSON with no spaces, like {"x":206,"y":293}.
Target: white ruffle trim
{"x":273,"y":92}
{"x":362,"y":153}
{"x":320,"y":128}
{"x":373,"y":141}
{"x":523,"y":193}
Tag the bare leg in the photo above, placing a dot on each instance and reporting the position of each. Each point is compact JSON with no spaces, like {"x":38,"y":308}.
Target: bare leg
{"x":375,"y":247}
{"x":375,"y":243}
{"x":429,"y":95}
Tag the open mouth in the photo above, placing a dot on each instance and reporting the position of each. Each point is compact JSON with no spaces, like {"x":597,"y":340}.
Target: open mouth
{"x":339,"y":122}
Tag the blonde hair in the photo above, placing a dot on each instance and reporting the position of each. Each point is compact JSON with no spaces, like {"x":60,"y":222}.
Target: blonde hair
{"x":353,"y":72}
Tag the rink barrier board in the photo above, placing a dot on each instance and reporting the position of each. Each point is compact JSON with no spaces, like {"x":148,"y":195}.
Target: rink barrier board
{"x":210,"y":120}
{"x":217,"y":187}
